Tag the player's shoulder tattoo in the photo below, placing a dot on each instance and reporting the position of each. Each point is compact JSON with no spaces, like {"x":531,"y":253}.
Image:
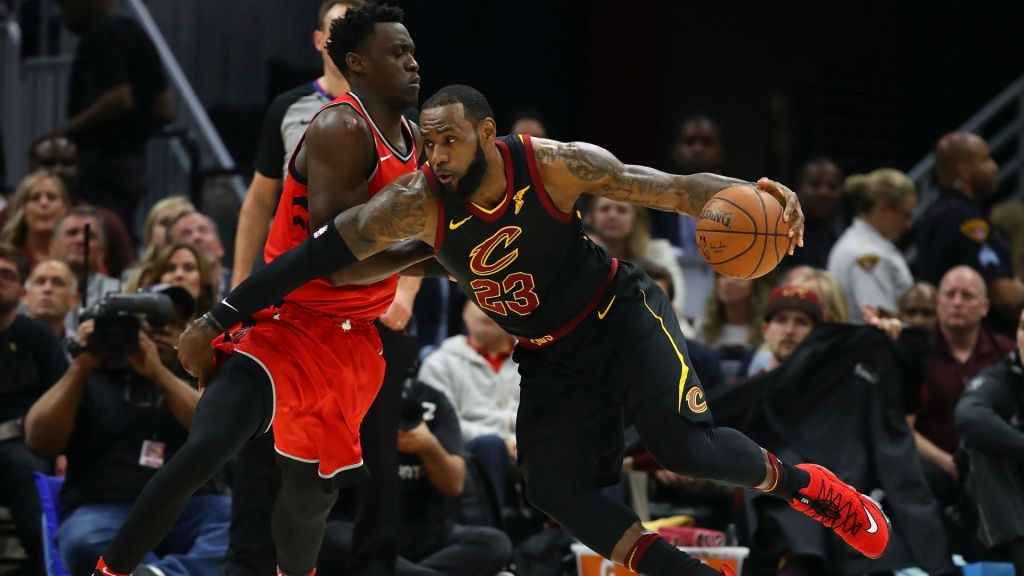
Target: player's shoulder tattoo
{"x":584,"y":161}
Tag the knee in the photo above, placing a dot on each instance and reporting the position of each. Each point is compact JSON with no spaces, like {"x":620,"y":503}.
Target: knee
{"x":548,"y":494}
{"x":81,"y":543}
{"x":487,"y":443}
{"x":498,"y":547}
{"x":689,"y":453}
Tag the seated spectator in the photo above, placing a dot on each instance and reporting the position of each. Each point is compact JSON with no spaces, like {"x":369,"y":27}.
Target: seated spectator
{"x":827,"y":286}
{"x":39,"y":204}
{"x":477,"y":373}
{"x":623,"y":229}
{"x":869,"y":266}
{"x":31,"y":360}
{"x":961,"y":348}
{"x":917,"y":306}
{"x":69,"y":246}
{"x":154,"y":233}
{"x":159,"y":220}
{"x":1008,"y":220}
{"x":529,"y":122}
{"x":834,"y":395}
{"x":732,"y":320}
{"x":819,"y":190}
{"x":200,"y":230}
{"x":432,"y":473}
{"x":180,"y":265}
{"x":60,"y":155}
{"x":118,"y":420}
{"x":989,"y":417}
{"x":51,"y":293}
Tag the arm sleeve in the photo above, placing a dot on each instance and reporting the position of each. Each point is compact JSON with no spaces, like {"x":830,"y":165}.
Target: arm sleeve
{"x":270,"y":155}
{"x":979,"y":423}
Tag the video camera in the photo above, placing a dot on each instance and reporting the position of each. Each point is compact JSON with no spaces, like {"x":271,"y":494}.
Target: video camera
{"x":410,"y":409}
{"x":117,"y":323}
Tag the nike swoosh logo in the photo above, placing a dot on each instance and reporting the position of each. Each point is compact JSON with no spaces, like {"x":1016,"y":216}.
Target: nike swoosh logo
{"x":452,"y":225}
{"x":874,"y":525}
{"x":383,"y":158}
{"x":601,"y":315}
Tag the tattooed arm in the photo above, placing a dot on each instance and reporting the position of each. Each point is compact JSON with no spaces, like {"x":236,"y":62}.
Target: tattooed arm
{"x":574,"y":168}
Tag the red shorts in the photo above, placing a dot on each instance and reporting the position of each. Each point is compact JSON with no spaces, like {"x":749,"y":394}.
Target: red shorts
{"x":325,"y":373}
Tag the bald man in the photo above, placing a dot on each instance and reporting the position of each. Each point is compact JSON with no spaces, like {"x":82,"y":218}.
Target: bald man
{"x":961,"y":349}
{"x":955,"y":230}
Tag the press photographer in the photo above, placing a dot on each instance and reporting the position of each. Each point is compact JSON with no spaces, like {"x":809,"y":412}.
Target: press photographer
{"x":119,"y":413}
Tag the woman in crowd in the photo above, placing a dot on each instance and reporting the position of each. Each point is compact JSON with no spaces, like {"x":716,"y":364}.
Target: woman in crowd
{"x":732,"y":320}
{"x":869,"y":266}
{"x":154,"y":235}
{"x":833,"y":297}
{"x":40,"y":201}
{"x":180,"y":265}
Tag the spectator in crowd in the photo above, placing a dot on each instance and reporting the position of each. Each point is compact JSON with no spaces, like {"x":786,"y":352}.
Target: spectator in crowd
{"x":961,"y":348}
{"x":51,"y":293}
{"x":283,"y":126}
{"x":789,"y":316}
{"x":989,"y":416}
{"x":182,"y":265}
{"x":1008,"y":220}
{"x":433,"y":474}
{"x":117,"y":98}
{"x":832,"y":394}
{"x":917,"y":306}
{"x":697,"y":148}
{"x":117,"y":424}
{"x":154,"y":234}
{"x":60,"y":155}
{"x":954,"y":231}
{"x":69,"y":246}
{"x":528,"y":122}
{"x":624,"y":230}
{"x":820,"y":197}
{"x":158,"y":223}
{"x":732,"y":320}
{"x":826,"y":285}
{"x":31,"y":360}
{"x":869,"y":266}
{"x":477,"y":373}
{"x":200,"y":230}
{"x":39,"y":203}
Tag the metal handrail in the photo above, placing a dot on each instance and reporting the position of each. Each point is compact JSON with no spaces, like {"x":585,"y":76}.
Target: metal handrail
{"x":183,"y":88}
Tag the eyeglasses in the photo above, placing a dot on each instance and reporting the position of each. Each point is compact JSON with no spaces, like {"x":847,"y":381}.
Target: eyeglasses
{"x":8,"y":275}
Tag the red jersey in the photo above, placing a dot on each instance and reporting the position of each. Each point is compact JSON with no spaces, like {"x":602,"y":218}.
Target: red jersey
{"x":291,"y":226}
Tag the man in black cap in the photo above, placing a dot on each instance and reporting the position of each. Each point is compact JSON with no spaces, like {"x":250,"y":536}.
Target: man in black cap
{"x":789,"y":316}
{"x":118,"y":422}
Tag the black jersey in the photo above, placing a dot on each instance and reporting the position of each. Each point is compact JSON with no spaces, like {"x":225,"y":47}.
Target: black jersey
{"x":529,"y":266}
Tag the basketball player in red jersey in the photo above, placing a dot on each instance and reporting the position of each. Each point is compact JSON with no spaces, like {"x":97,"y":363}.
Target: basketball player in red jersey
{"x":599,"y":345}
{"x":312,"y":366}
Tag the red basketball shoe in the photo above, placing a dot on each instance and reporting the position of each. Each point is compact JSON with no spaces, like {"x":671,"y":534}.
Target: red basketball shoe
{"x":856,"y":518}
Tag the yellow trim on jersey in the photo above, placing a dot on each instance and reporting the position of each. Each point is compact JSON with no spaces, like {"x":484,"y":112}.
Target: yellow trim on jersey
{"x":492,"y":210}
{"x":682,"y":360}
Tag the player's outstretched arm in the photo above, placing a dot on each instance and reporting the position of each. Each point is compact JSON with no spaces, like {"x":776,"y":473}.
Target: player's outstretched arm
{"x":402,"y":210}
{"x":406,"y":258}
{"x":573,"y":168}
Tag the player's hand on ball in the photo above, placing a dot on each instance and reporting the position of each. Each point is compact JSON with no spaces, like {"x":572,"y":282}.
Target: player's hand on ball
{"x":792,"y":214}
{"x":194,"y":350}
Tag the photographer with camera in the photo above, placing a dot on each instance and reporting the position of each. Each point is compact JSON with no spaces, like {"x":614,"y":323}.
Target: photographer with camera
{"x":31,"y":360}
{"x":432,"y":474}
{"x":120,"y":411}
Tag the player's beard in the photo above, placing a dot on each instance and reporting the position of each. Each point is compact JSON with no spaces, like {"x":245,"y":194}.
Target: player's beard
{"x":469,"y":182}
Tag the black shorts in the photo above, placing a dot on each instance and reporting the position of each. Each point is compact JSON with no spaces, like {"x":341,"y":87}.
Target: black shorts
{"x":583,"y":388}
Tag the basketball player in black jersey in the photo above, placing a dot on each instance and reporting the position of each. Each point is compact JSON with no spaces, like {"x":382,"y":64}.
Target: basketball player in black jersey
{"x":599,"y":345}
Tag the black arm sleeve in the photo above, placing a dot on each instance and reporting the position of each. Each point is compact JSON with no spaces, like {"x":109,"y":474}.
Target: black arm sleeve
{"x":317,"y":256}
{"x":433,"y":269}
{"x":982,"y":426}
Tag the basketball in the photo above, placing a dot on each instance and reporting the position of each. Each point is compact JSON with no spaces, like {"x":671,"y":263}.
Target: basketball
{"x":741,"y":234}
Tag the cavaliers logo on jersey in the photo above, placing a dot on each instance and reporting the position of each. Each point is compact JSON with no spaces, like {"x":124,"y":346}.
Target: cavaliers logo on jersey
{"x":483,"y":262}
{"x":695,"y":401}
